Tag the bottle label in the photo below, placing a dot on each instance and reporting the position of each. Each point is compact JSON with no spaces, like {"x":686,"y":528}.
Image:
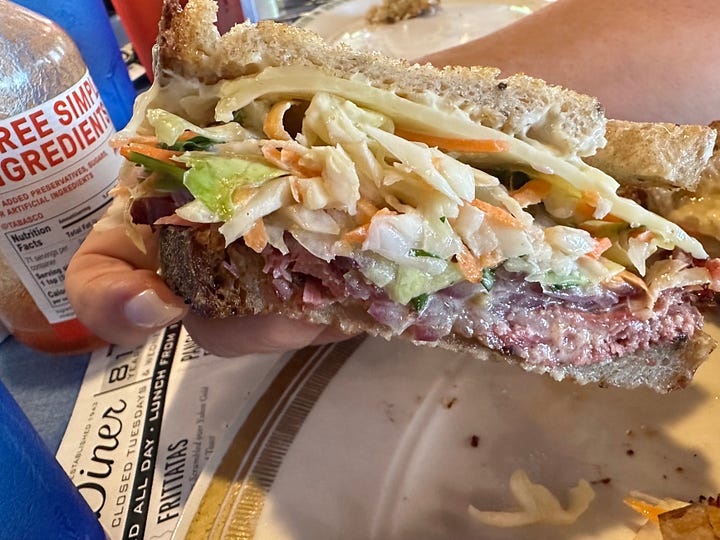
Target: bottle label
{"x":56,"y":169}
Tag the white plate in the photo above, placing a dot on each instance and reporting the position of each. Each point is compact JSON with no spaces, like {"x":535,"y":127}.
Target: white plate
{"x":456,"y":22}
{"x":378,"y":445}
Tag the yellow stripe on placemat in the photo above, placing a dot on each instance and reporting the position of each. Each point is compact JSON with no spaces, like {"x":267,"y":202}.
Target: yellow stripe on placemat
{"x":232,"y":503}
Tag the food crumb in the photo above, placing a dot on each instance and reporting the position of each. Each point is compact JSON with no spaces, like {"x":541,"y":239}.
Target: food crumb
{"x":392,"y":11}
{"x":389,"y":408}
{"x":605,"y":481}
{"x":474,"y":441}
{"x":450,"y":402}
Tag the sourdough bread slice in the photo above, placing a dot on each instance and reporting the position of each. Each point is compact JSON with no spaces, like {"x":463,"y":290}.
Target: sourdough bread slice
{"x":189,"y":46}
{"x":694,"y":208}
{"x":219,"y":283}
{"x":660,"y":154}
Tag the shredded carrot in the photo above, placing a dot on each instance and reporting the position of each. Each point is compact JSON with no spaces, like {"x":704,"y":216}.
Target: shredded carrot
{"x":256,"y":238}
{"x":365,"y":209}
{"x":497,"y":214}
{"x":470,"y":267}
{"x":585,"y":208}
{"x":591,"y":197}
{"x":644,"y":235}
{"x":584,"y":212}
{"x":455,"y":145}
{"x":490,"y":260}
{"x":154,"y":152}
{"x":357,"y":235}
{"x":295,"y":161}
{"x":650,"y":511}
{"x":289,"y":160}
{"x":296,"y":189}
{"x":272,"y":154}
{"x":601,"y":246}
{"x":532,"y":192}
{"x":273,"y":123}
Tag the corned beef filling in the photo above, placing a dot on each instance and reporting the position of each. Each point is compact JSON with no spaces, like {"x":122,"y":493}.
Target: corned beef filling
{"x":515,"y":317}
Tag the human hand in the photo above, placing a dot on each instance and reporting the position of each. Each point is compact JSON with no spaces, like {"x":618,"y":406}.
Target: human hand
{"x":116,"y":292}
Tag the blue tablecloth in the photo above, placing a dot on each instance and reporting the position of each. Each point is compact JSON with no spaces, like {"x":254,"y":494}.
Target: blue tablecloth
{"x":45,"y":386}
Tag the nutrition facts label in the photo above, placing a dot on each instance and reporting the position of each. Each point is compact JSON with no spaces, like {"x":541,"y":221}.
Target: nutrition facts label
{"x":56,"y":170}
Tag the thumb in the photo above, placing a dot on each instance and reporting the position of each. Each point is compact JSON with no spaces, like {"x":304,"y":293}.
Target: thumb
{"x":115,"y":294}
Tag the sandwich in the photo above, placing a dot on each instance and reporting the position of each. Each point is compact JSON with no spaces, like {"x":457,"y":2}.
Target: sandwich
{"x":451,"y":207}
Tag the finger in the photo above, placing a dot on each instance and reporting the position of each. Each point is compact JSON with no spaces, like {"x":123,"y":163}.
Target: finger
{"x":331,"y":335}
{"x":237,"y":336}
{"x":115,"y":290}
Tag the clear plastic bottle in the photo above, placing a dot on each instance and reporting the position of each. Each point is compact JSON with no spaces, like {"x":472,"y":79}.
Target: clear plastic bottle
{"x":56,"y":169}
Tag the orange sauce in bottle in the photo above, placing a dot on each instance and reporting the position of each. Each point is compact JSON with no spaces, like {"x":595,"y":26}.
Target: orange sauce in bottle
{"x":21,"y":316}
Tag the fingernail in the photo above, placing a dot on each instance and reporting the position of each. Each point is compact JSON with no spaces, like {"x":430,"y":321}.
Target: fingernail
{"x":147,"y":310}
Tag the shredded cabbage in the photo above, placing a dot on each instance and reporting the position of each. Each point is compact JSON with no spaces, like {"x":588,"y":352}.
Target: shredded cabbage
{"x":169,"y":127}
{"x":394,"y":236}
{"x":348,"y":185}
{"x":266,"y":199}
{"x":213,"y":179}
{"x":537,"y":505}
{"x":450,"y":122}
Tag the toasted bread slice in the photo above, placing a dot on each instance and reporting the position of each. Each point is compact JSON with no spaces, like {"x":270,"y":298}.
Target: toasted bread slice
{"x":661,"y":154}
{"x":190,"y":46}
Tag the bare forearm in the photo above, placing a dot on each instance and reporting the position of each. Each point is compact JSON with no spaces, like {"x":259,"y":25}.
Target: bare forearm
{"x":655,"y":61}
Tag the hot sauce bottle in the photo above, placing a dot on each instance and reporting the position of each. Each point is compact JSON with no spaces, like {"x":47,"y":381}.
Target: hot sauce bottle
{"x":56,"y":169}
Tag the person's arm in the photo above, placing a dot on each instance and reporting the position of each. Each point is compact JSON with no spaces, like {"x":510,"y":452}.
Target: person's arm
{"x":645,"y":61}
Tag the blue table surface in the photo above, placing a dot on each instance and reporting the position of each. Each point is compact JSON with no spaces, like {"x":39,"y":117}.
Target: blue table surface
{"x":45,"y":386}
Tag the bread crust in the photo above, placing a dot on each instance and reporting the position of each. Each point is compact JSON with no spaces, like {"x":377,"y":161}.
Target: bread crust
{"x":658,"y":154}
{"x":220,"y":283}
